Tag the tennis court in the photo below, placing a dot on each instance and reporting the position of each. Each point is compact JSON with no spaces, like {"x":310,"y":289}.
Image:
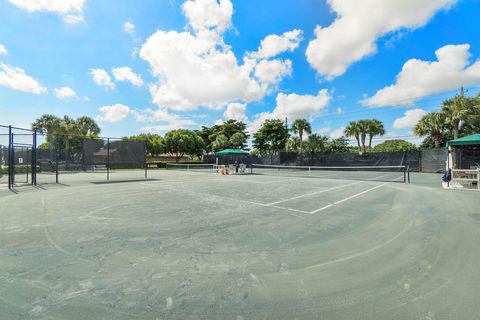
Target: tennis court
{"x":193,"y":244}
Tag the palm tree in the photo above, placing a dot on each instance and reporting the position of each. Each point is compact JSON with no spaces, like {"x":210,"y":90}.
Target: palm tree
{"x":87,"y":127}
{"x":375,"y":128}
{"x":353,"y":130}
{"x":301,"y":126}
{"x":363,"y":127}
{"x":456,"y":111}
{"x":48,"y":123}
{"x":433,"y":125}
{"x":316,"y":143}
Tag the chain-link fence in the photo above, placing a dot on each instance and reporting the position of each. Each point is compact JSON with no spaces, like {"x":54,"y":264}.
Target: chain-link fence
{"x":428,"y":160}
{"x":34,"y":158}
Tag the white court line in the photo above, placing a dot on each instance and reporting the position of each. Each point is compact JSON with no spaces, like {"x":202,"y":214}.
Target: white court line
{"x":165,"y":187}
{"x":354,"y":196}
{"x":314,"y":193}
{"x":326,"y":190}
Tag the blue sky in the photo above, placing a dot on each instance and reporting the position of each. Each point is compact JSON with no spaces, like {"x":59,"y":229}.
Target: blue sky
{"x":152,"y":66}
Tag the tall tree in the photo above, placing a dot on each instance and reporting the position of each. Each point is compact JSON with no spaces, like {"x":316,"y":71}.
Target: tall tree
{"x":433,"y":125}
{"x":301,"y":126}
{"x":460,"y":111}
{"x":228,"y":129}
{"x":394,"y":145}
{"x":271,"y":137}
{"x":375,"y":128}
{"x":354,"y":130}
{"x":87,"y":127}
{"x":183,"y":142}
{"x":155,"y":144}
{"x":316,"y":143}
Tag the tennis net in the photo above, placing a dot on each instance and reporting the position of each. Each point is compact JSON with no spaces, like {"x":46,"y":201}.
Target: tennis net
{"x":194,"y":167}
{"x":373,"y":173}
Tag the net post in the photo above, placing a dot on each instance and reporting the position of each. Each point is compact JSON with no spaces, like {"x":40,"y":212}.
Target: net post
{"x":309,"y":171}
{"x":108,"y":159}
{"x":408,"y":174}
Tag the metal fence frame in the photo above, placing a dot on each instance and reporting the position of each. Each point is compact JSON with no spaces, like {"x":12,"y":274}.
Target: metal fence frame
{"x":33,"y":149}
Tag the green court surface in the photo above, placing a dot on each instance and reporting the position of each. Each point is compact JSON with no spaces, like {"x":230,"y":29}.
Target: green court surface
{"x":192,"y":245}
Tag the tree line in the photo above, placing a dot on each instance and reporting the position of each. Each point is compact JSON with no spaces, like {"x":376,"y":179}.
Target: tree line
{"x":458,"y":116}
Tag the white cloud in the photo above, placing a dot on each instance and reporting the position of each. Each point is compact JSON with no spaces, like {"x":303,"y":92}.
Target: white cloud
{"x":358,"y":25}
{"x":337,"y":133}
{"x":410,"y":119}
{"x":113,"y":113}
{"x":167,"y":121}
{"x":208,"y":14}
{"x":3,"y":50}
{"x":70,"y":10}
{"x":64,"y":92}
{"x":102,"y":78}
{"x":126,"y":74}
{"x":273,"y":71}
{"x":129,"y":27}
{"x":236,"y":111}
{"x":274,"y":44}
{"x":17,"y":79}
{"x":419,"y":78}
{"x":197,"y":69}
{"x":294,"y":106}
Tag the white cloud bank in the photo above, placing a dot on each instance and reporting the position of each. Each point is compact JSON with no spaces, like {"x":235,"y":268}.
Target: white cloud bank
{"x":420,"y":79}
{"x":70,"y":10}
{"x":113,"y":113}
{"x":410,"y":119}
{"x":294,"y":106}
{"x":196,"y":68}
{"x":17,"y":79}
{"x":3,"y":50}
{"x":64,"y":92}
{"x":126,"y":74}
{"x":102,"y":78}
{"x":358,"y":25}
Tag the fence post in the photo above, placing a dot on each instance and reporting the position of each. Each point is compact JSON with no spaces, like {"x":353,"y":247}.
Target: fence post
{"x":145,"y":159}
{"x":108,"y":159}
{"x":34,"y":158}
{"x":10,"y":157}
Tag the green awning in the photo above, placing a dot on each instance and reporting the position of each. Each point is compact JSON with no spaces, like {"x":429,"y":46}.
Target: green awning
{"x":473,"y":139}
{"x":232,"y":151}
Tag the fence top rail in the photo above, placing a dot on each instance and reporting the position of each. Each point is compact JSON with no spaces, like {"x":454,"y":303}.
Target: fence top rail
{"x":40,"y":132}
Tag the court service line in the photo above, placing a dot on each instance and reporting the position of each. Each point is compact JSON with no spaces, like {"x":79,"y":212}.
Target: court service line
{"x":326,"y":190}
{"x":353,"y":196}
{"x":166,"y":187}
{"x":314,"y":193}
